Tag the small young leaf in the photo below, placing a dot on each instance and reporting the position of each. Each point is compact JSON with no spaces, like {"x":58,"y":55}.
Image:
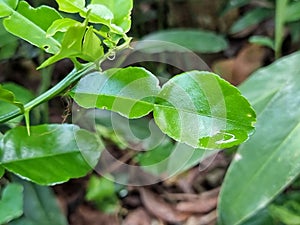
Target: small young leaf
{"x":61,"y":25}
{"x":130,"y":91}
{"x":9,"y":97}
{"x":7,"y":7}
{"x":31,"y":24}
{"x":262,"y":40}
{"x":52,"y":154}
{"x":11,"y":203}
{"x":203,"y":111}
{"x":91,"y":47}
{"x":121,"y":10}
{"x":73,"y":6}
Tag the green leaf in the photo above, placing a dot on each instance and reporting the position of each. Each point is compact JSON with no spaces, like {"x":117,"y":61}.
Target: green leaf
{"x":203,"y":111}
{"x":7,"y":7}
{"x":73,"y":6}
{"x":262,"y":40}
{"x":36,"y":24}
{"x":121,"y":10}
{"x":273,"y":151}
{"x":91,"y":47}
{"x":9,"y":97}
{"x":52,"y":154}
{"x":2,"y":170}
{"x":23,"y":96}
{"x":292,"y":12}
{"x":40,"y":206}
{"x":232,"y":4}
{"x":11,"y":203}
{"x":8,"y":44}
{"x":195,"y":40}
{"x":130,"y":91}
{"x":251,"y":18}
{"x":285,"y":215}
{"x":98,"y":14}
{"x":61,"y":25}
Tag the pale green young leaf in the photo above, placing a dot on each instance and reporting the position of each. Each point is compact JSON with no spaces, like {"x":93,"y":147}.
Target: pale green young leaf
{"x":121,"y":10}
{"x":130,"y":91}
{"x":71,"y":6}
{"x":203,"y":111}
{"x":273,"y":150}
{"x":91,"y":47}
{"x":51,"y":154}
{"x":7,"y":7}
{"x":61,"y":25}
{"x":11,"y":203}
{"x":9,"y":97}
{"x":31,"y":25}
{"x":98,"y":14}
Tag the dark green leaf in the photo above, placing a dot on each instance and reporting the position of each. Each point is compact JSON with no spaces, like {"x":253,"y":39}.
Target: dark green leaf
{"x":52,"y":154}
{"x":293,"y":12}
{"x":130,"y":91}
{"x":203,"y":111}
{"x":269,"y":161}
{"x":232,"y":4}
{"x":195,"y":40}
{"x":8,"y":44}
{"x":250,"y":19}
{"x":36,"y":24}
{"x":284,"y":214}
{"x":11,"y":203}
{"x":40,"y":206}
{"x":262,"y":40}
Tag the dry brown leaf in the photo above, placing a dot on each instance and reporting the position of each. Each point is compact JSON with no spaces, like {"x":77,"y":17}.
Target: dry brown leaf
{"x":161,"y":209}
{"x":138,"y":217}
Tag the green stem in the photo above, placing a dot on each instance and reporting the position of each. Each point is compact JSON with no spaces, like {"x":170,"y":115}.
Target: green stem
{"x":51,"y":93}
{"x":279,"y":25}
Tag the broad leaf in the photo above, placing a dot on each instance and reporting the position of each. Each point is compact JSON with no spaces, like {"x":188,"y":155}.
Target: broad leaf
{"x":40,"y":206}
{"x":130,"y":91}
{"x":71,"y":6}
{"x":203,"y":111}
{"x":11,"y":203}
{"x":31,"y":25}
{"x":250,"y":19}
{"x":195,"y":40}
{"x":7,"y":7}
{"x":121,"y":10}
{"x":269,"y":161}
{"x":52,"y":154}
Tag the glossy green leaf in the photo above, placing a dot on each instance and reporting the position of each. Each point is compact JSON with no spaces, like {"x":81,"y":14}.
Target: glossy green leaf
{"x":40,"y":206}
{"x":195,"y":40}
{"x":7,"y":7}
{"x":121,"y":10}
{"x":262,"y":40}
{"x":130,"y":91}
{"x":71,"y":6}
{"x":36,"y":24}
{"x":11,"y":203}
{"x":22,"y":95}
{"x":292,"y":12}
{"x":269,"y":161}
{"x":52,"y":154}
{"x":203,"y":111}
{"x":251,"y":18}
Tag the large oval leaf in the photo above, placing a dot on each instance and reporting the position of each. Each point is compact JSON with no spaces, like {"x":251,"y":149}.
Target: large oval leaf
{"x":204,"y":111}
{"x":52,"y":154}
{"x":269,"y":161}
{"x":130,"y":91}
{"x":31,"y":25}
{"x":195,"y":40}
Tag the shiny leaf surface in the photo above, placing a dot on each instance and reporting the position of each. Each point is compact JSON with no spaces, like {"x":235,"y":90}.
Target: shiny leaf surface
{"x":7,"y":7}
{"x":11,"y":203}
{"x":52,"y":154}
{"x":269,"y":161}
{"x":36,"y":23}
{"x":203,"y":111}
{"x":130,"y":91}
